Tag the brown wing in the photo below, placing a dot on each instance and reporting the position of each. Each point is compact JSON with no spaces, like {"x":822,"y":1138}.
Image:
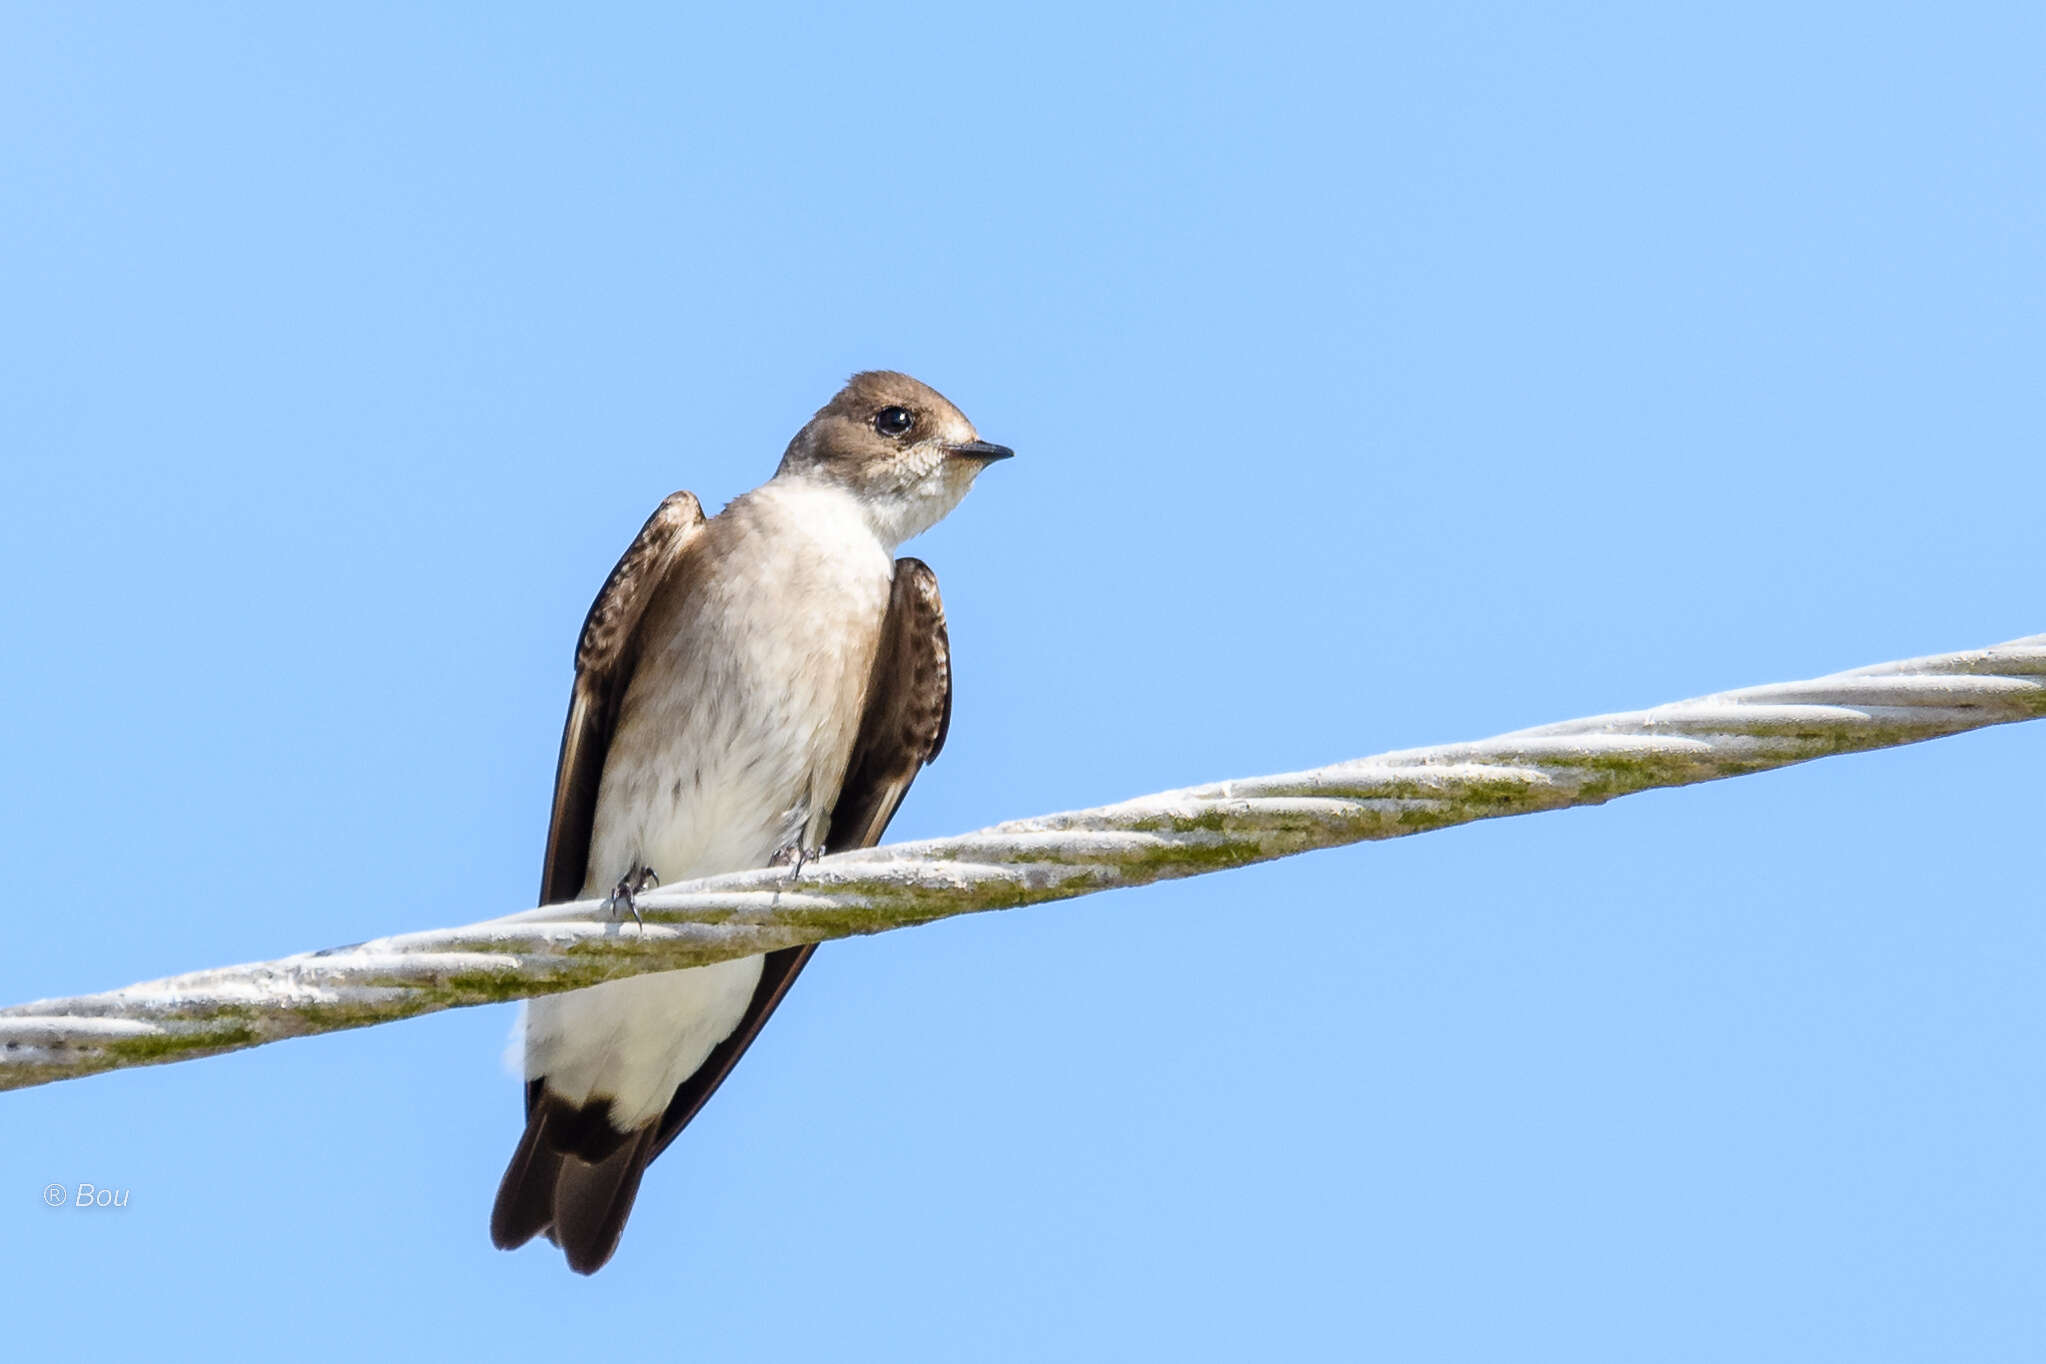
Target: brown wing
{"x":604,"y":659}
{"x":591,"y":1195}
{"x":908,"y":711}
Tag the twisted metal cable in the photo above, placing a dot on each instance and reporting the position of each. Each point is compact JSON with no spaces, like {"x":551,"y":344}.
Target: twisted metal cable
{"x":1051,"y":857}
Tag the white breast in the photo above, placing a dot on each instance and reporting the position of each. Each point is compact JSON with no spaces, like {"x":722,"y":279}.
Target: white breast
{"x":730,"y":745}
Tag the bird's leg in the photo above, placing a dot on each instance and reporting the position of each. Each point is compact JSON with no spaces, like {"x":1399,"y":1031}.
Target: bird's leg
{"x":625,"y":895}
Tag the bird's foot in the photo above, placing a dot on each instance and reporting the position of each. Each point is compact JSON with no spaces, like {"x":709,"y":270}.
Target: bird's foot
{"x":624,"y":897}
{"x":793,"y":857}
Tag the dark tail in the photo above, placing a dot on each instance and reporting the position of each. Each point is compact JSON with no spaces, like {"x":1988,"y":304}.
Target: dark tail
{"x":551,"y":1186}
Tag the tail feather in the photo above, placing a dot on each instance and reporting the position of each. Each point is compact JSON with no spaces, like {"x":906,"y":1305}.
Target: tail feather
{"x":592,"y":1201}
{"x":579,"y":1203}
{"x":525,"y":1196}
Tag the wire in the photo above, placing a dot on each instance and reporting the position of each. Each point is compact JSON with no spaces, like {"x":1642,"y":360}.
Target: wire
{"x":1051,"y":857}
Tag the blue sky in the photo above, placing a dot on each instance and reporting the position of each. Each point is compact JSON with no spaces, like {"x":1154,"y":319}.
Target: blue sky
{"x":1379,"y":376}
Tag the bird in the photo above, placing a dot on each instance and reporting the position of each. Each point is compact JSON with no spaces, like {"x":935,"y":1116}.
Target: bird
{"x":751,"y":689}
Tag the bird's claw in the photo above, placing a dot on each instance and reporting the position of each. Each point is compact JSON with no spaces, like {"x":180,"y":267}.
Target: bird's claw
{"x":793,"y":857}
{"x":625,"y":895}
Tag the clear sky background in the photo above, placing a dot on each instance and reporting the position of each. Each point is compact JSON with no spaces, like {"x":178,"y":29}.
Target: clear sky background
{"x":1380,"y":376}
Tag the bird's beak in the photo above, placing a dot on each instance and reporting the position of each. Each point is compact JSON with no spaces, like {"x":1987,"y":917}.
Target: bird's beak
{"x":981,"y":450}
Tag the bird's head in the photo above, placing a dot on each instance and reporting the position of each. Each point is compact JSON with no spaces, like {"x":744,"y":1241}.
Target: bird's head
{"x":905,"y":452}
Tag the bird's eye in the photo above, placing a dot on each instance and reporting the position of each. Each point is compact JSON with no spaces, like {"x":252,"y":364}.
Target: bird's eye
{"x":894,"y":421}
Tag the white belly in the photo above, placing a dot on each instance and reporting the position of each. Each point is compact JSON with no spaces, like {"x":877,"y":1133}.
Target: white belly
{"x":730,"y":746}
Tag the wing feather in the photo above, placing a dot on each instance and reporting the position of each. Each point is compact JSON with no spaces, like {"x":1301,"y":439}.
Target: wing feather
{"x":605,"y":654}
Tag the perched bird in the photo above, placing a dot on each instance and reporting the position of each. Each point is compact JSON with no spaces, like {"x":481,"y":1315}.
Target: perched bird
{"x":750,"y":689}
